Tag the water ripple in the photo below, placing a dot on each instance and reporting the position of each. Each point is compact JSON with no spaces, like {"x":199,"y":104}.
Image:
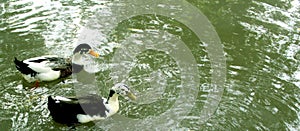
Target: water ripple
{"x":263,"y":62}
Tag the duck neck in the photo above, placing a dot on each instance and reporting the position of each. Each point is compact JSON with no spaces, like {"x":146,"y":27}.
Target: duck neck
{"x":113,"y":97}
{"x":76,"y":68}
{"x":77,"y":59}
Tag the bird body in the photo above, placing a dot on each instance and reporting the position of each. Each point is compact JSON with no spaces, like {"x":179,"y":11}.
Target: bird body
{"x":52,"y":67}
{"x":88,"y":108}
{"x":72,"y":110}
{"x":44,"y":68}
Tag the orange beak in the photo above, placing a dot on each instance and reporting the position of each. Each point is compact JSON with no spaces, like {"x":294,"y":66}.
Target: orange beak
{"x":93,"y":53}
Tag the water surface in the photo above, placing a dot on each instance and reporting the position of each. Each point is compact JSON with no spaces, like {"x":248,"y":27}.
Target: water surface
{"x":260,"y":39}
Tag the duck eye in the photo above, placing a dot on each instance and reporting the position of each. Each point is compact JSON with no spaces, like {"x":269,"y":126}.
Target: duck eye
{"x":84,"y":50}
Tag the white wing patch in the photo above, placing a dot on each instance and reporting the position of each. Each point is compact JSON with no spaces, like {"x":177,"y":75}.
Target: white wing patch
{"x":60,"y":98}
{"x":40,"y":57}
{"x":45,"y":73}
{"x":39,"y":67}
{"x":87,"y":118}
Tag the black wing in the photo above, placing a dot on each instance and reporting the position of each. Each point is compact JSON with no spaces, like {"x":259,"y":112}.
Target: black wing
{"x":93,"y":105}
{"x":59,"y":63}
{"x":66,"y":112}
{"x":23,"y":68}
{"x":54,"y":62}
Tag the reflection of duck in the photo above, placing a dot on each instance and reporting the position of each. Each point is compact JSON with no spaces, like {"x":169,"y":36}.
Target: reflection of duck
{"x":89,"y":108}
{"x":52,"y":67}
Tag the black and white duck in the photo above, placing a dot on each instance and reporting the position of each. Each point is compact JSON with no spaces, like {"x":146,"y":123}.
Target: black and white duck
{"x":89,"y":108}
{"x":52,"y":67}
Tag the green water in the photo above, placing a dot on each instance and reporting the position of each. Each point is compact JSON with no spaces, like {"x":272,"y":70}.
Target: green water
{"x":260,"y":40}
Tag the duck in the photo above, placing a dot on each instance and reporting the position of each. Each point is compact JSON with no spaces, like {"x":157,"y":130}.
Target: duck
{"x":53,"y":67}
{"x":71,"y":111}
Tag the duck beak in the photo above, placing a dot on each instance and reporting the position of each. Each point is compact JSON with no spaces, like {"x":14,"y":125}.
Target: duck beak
{"x":93,"y":53}
{"x":131,"y":96}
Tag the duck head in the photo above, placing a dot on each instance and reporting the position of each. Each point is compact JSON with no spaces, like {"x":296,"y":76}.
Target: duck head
{"x":123,"y":90}
{"x":85,"y":49}
{"x":80,"y":54}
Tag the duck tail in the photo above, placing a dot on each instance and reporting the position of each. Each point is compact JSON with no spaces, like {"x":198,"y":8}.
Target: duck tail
{"x":51,"y":103}
{"x":23,"y":67}
{"x":52,"y":107}
{"x":18,"y":63}
{"x":61,"y":111}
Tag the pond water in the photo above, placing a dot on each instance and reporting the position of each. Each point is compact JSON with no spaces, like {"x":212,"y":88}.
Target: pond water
{"x":234,"y":66}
